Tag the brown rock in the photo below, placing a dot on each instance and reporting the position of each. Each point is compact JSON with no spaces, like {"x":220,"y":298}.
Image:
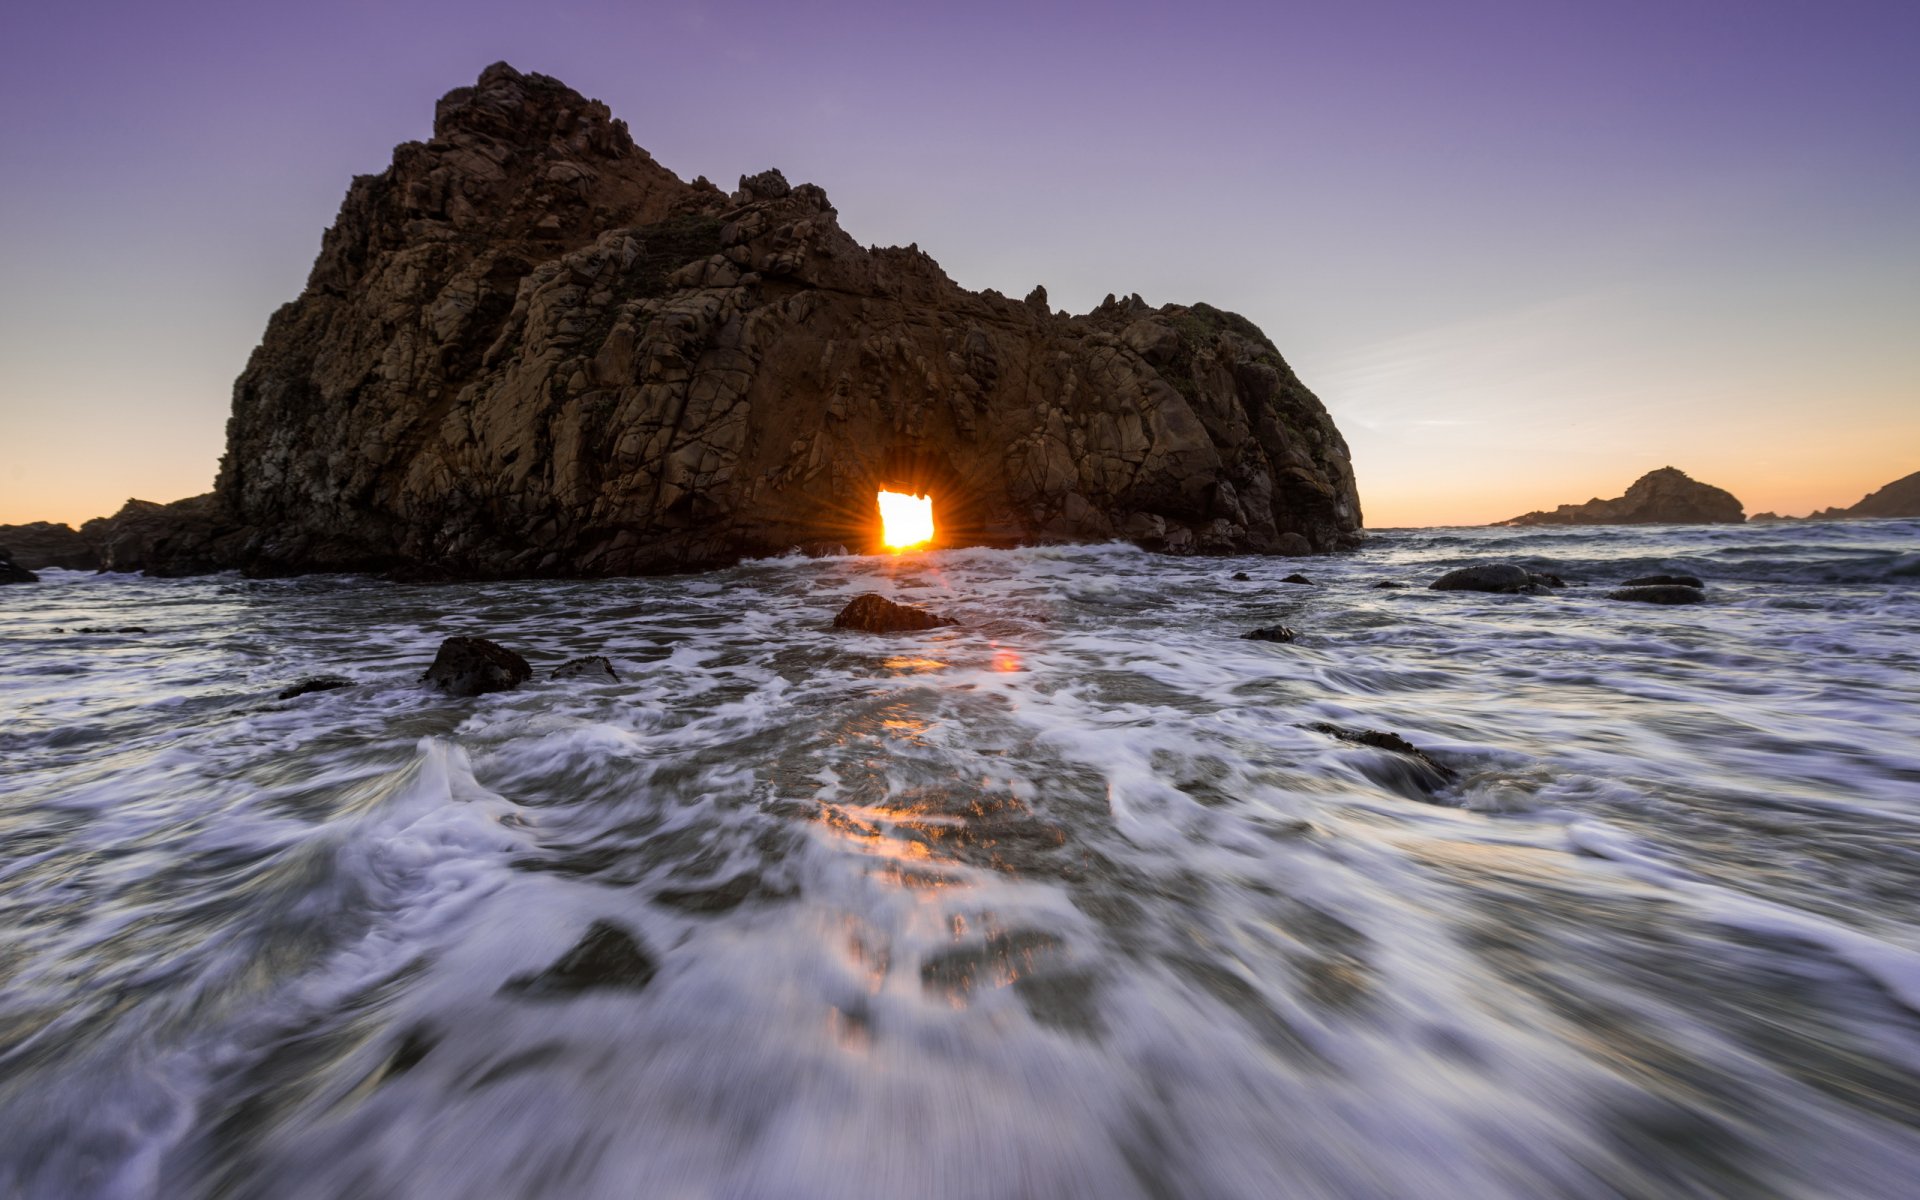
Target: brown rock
{"x":1664,"y":497}
{"x":873,"y":613}
{"x":41,"y":544}
{"x":469,"y":666}
{"x":528,"y":349}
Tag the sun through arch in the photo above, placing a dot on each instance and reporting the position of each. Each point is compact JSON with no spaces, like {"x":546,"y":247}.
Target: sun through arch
{"x":905,"y":520}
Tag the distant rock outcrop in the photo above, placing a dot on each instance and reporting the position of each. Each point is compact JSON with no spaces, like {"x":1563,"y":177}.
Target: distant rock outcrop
{"x":526,"y":348}
{"x":1664,"y":497}
{"x":1901,"y":498}
{"x":43,"y":544}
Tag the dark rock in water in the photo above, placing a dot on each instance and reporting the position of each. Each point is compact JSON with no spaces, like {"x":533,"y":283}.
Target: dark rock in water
{"x":319,"y":683}
{"x":40,"y":544}
{"x":1667,"y":496}
{"x":653,"y":374}
{"x":468,"y":666}
{"x":1428,"y":775}
{"x":195,"y":536}
{"x":1242,"y":577}
{"x":721,"y":897}
{"x":876,"y":614}
{"x":1660,"y":594}
{"x":1502,"y":578}
{"x":1388,"y":583}
{"x":1271,"y":633}
{"x":12,"y":572}
{"x":607,"y":957}
{"x":1296,"y":577}
{"x":106,"y":629}
{"x":1660,"y":580}
{"x":592,"y":664}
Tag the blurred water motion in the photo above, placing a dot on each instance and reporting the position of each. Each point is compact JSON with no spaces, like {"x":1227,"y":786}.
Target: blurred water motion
{"x":1068,"y":901}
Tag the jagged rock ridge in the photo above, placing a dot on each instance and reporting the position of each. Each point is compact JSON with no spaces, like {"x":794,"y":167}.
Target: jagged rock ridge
{"x":1901,"y":498}
{"x":1667,"y":496}
{"x":526,"y":348}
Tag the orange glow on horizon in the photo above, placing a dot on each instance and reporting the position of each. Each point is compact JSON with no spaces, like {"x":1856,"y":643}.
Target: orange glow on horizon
{"x":905,"y":521}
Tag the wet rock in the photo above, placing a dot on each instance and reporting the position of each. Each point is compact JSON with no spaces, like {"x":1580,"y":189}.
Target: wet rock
{"x":469,"y":666}
{"x":1271,"y":633}
{"x":1665,"y":581}
{"x":607,"y":957}
{"x":872,"y":613}
{"x":1659,"y":594}
{"x":1387,"y":583}
{"x":1296,"y":577}
{"x":107,"y":629}
{"x":319,"y":683}
{"x":12,"y":572}
{"x":1667,"y":496}
{"x":1427,"y":774}
{"x":1499,"y":578}
{"x":595,"y":665}
{"x":1242,"y":577}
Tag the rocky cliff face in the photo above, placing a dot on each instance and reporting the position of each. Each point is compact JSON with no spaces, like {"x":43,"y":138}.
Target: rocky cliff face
{"x":526,"y":348}
{"x":1664,"y":497}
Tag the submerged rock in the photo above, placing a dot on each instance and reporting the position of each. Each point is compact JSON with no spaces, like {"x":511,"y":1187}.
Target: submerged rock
{"x":1500,"y":578}
{"x":1428,"y":774}
{"x":592,"y":664}
{"x":12,"y":572}
{"x":607,"y":957}
{"x":469,"y":666}
{"x":1385,"y":584}
{"x":1691,"y":581}
{"x":1659,"y":594}
{"x":1242,"y":577}
{"x":1271,"y":633}
{"x":1667,"y":496}
{"x":319,"y":683}
{"x":873,"y":613}
{"x":1296,"y":577}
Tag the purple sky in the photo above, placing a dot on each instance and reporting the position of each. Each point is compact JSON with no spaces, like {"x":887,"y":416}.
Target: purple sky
{"x":1524,"y":251}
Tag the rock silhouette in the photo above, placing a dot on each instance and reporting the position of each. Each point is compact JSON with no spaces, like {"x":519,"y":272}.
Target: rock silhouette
{"x":1667,"y":496}
{"x":469,"y":666}
{"x":871,"y":613}
{"x":528,"y":349}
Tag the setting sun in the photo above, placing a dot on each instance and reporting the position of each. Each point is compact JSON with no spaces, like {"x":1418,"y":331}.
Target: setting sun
{"x":905,"y":520}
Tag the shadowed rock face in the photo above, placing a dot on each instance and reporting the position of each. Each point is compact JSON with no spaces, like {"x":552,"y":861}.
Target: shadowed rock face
{"x":527,"y":348}
{"x":1667,"y":496}
{"x":1901,"y":498}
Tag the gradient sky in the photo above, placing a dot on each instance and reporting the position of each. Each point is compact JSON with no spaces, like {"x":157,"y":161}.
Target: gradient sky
{"x":1524,"y":251}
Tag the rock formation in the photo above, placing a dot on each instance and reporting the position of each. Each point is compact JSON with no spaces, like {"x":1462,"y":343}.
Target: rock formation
{"x":1901,"y":498}
{"x":1664,"y":497}
{"x":528,"y":349}
{"x":43,"y":544}
{"x":13,"y":572}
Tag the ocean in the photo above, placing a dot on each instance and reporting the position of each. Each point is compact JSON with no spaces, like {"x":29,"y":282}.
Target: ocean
{"x":1071,"y":900}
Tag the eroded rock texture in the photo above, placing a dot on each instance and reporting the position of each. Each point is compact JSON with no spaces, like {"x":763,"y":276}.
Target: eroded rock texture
{"x":527,"y":348}
{"x":1668,"y":496}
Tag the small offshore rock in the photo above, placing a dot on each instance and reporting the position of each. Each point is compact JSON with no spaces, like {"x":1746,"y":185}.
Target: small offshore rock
{"x":1296,"y":577}
{"x":1691,"y":581}
{"x":1660,"y":594}
{"x":592,"y":664}
{"x":873,"y":613}
{"x":607,"y":957}
{"x":319,"y":683}
{"x":1271,"y":633}
{"x":469,"y":666}
{"x":13,"y":572}
{"x":1434,"y":773}
{"x":1242,"y":577}
{"x":1500,"y":578}
{"x":1388,"y":583}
